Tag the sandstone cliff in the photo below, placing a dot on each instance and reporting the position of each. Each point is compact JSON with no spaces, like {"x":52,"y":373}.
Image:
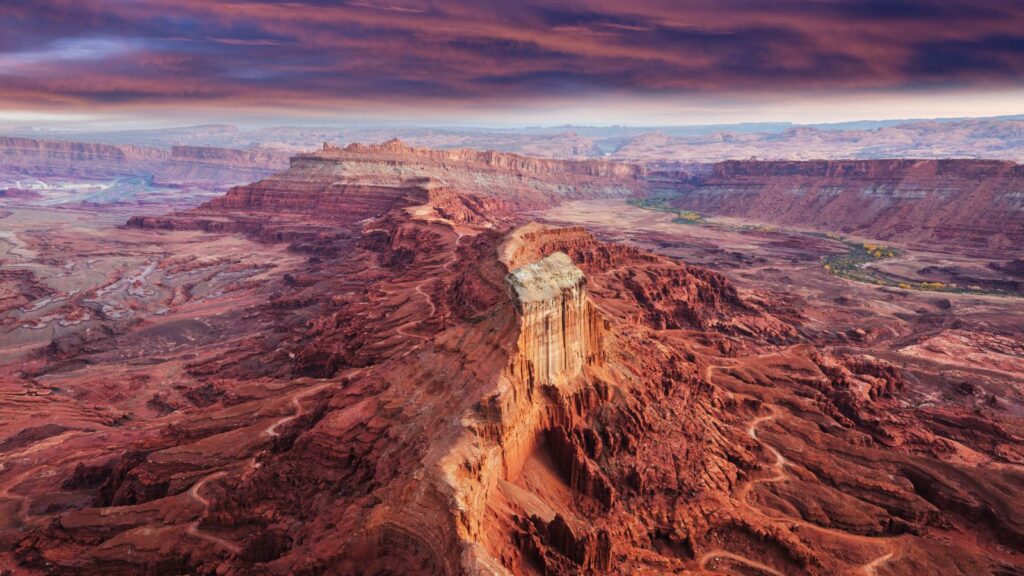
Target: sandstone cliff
{"x":216,"y":167}
{"x":557,"y":323}
{"x":431,"y":388}
{"x":182,"y":165}
{"x":342,"y":186}
{"x":976,"y":204}
{"x":77,"y":159}
{"x":399,"y":152}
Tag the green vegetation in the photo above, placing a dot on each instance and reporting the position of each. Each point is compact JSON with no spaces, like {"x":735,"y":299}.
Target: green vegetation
{"x":688,"y":217}
{"x":661,"y":204}
{"x":852,"y":266}
{"x":756,"y":228}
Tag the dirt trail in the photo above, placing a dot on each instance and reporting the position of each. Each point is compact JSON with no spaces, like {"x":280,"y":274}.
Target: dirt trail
{"x":297,"y":403}
{"x":21,"y":512}
{"x":781,"y":475}
{"x":430,"y":300}
{"x":871,"y":568}
{"x":453,"y":258}
{"x":193,"y":528}
{"x":720,"y":553}
{"x":780,"y":463}
{"x":195,"y":492}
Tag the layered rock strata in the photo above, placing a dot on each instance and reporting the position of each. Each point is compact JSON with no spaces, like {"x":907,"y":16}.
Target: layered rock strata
{"x":442,"y":393}
{"x":558,"y":326}
{"x":972,"y":204}
{"x":180,"y":166}
{"x":341,"y":186}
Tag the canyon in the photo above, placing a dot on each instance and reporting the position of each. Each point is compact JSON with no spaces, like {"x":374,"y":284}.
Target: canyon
{"x":974,"y":205}
{"x":388,"y":359}
{"x":150,"y":179}
{"x":181,"y":164}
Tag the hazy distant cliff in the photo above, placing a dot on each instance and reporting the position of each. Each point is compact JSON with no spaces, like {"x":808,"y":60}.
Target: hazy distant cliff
{"x":76,"y":159}
{"x":190,"y":165}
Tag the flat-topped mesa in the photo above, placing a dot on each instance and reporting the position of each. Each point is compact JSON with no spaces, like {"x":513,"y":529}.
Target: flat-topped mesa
{"x":559,"y":329}
{"x":182,"y":165}
{"x":397,"y":152}
{"x":345,"y":186}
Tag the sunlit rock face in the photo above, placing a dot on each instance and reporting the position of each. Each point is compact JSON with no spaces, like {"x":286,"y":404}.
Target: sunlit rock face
{"x":558,"y":332}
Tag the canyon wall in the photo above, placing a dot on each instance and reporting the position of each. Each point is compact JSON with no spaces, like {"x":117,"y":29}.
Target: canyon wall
{"x":343,"y":186}
{"x":218,"y":166}
{"x":974,"y":204}
{"x":181,"y":165}
{"x":77,"y":159}
{"x":560,"y":336}
{"x":428,"y":388}
{"x":401,"y":152}
{"x":510,"y":183}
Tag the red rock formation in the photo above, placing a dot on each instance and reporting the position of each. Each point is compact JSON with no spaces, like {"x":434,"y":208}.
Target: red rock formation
{"x":77,"y":159}
{"x":436,"y":393}
{"x":216,"y":167}
{"x":973,"y":204}
{"x":398,"y":152}
{"x":340,"y":187}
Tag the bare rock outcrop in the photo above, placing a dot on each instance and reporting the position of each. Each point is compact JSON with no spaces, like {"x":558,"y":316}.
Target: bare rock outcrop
{"x":431,"y":390}
{"x":335,"y":186}
{"x":559,"y":328}
{"x":970,"y":204}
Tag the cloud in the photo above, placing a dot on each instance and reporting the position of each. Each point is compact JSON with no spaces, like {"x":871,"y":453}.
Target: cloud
{"x":988,"y":56}
{"x":80,"y":53}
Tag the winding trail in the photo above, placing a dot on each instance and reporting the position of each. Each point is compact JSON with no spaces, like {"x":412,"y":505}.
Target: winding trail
{"x":870,"y":568}
{"x":430,"y":301}
{"x":719,"y":553}
{"x":193,"y":528}
{"x":5,"y":493}
{"x":21,"y":512}
{"x":452,"y":259}
{"x":297,"y":403}
{"x":196,"y":494}
{"x":779,"y":464}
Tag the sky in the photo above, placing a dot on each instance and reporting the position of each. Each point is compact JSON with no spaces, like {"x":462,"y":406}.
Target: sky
{"x":526,"y":62}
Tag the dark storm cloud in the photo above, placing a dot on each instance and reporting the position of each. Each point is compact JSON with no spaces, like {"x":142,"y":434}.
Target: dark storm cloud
{"x":253,"y":52}
{"x":992,"y":56}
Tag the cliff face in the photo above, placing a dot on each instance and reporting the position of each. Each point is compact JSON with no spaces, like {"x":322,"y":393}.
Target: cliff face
{"x":399,"y":152}
{"x":516,"y":182}
{"x":977,"y":204}
{"x":994,"y":138}
{"x":343,"y":186}
{"x":291,"y":193}
{"x":218,"y":166}
{"x":558,"y":327}
{"x":76,"y":159}
{"x":182,"y":165}
{"x":432,"y":390}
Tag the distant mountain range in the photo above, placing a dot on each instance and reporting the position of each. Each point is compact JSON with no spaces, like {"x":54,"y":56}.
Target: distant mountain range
{"x":995,"y":138}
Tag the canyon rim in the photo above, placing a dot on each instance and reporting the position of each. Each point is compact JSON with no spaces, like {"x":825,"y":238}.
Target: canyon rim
{"x":340,"y":288}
